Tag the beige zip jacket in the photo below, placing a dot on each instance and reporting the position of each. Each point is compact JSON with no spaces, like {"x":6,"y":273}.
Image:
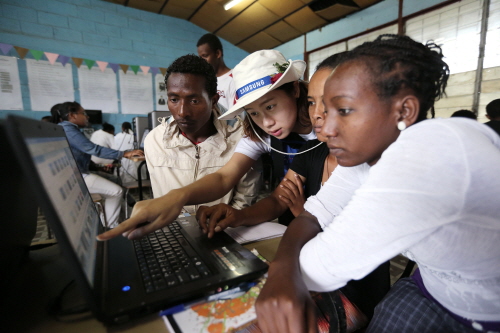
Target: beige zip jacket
{"x":173,"y":161}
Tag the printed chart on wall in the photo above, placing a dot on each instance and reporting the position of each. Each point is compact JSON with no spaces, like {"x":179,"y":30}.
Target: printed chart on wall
{"x":98,"y":90}
{"x":49,"y":84}
{"x":10,"y":86}
{"x":136,"y":92}
{"x":161,"y":93}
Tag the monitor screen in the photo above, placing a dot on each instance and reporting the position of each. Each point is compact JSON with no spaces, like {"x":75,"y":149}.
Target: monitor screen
{"x":95,"y":116}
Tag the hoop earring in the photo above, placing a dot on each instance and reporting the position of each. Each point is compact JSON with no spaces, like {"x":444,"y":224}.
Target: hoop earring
{"x":401,"y":125}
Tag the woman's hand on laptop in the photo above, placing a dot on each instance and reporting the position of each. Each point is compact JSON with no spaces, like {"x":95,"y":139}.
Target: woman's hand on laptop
{"x":217,"y":218}
{"x":147,"y":216}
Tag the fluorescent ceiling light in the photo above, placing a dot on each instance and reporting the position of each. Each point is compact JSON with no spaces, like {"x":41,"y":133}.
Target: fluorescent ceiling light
{"x":230,"y":4}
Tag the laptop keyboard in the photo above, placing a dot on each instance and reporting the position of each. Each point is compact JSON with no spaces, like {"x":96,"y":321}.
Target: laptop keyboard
{"x":166,"y":259}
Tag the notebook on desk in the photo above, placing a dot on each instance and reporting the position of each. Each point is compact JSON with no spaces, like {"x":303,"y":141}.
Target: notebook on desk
{"x":122,"y":279}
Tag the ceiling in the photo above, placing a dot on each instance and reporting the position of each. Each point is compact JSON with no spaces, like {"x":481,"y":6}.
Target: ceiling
{"x":254,"y":24}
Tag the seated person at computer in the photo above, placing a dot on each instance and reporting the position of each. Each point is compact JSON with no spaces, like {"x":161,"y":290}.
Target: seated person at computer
{"x":427,"y":188}
{"x":193,"y":142}
{"x":103,"y":166}
{"x":71,"y":116}
{"x":125,"y":141}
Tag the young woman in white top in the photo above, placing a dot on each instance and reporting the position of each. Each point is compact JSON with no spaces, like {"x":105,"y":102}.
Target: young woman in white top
{"x":270,"y":91}
{"x":427,"y":188}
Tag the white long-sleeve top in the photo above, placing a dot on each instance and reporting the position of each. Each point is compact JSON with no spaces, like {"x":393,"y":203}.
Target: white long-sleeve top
{"x":433,"y":195}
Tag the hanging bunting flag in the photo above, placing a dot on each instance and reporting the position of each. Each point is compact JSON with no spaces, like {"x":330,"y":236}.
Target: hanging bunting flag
{"x":52,"y":57}
{"x":102,"y":65}
{"x":21,"y":51}
{"x":145,"y":69}
{"x":89,"y":63}
{"x":154,"y":70}
{"x":5,"y":48}
{"x":63,"y":59}
{"x":135,"y":68}
{"x":77,"y":61}
{"x":114,"y":67}
{"x":124,"y":68}
{"x":37,"y":54}
{"x":163,"y":71}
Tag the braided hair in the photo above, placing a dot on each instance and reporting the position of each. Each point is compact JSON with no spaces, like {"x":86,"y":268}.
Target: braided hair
{"x":398,"y":62}
{"x":61,"y":111}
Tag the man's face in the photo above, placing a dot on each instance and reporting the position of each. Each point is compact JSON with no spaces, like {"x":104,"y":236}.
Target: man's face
{"x":211,"y":56}
{"x":188,"y":101}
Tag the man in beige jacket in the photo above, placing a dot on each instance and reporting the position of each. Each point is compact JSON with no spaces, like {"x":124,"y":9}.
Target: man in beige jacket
{"x":193,"y":142}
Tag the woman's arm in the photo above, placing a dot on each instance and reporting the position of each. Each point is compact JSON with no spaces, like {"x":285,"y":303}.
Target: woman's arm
{"x":159,"y":212}
{"x":222,"y":216}
{"x":284,"y":304}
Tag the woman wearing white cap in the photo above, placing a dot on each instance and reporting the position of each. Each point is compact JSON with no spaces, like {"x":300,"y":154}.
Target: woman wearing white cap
{"x":269,"y":90}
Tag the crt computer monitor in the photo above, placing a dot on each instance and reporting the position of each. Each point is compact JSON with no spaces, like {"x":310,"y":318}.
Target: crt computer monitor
{"x":95,"y":116}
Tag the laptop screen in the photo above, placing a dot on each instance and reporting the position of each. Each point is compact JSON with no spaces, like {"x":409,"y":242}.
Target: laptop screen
{"x":69,"y":196}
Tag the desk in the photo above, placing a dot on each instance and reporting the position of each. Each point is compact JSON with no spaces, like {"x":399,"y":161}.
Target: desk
{"x":43,"y":277}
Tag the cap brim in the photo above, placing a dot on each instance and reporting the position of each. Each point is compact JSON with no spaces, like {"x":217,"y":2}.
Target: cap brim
{"x":293,"y":73}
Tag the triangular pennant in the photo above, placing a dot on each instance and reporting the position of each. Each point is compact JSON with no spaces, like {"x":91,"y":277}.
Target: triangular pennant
{"x":114,"y":67}
{"x":89,"y":63}
{"x":124,"y":68}
{"x":154,"y":70}
{"x":21,"y":51}
{"x":145,"y":69}
{"x":163,"y":71}
{"x":135,"y":68}
{"x":102,"y":65}
{"x":5,"y":48}
{"x":77,"y":61}
{"x":63,"y":59}
{"x":37,"y":54}
{"x":52,"y":57}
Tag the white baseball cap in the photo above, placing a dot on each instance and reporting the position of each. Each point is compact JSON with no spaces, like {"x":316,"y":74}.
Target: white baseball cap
{"x":260,"y":73}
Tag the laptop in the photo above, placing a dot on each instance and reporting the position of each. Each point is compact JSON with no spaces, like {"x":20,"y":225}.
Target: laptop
{"x":113,"y":275}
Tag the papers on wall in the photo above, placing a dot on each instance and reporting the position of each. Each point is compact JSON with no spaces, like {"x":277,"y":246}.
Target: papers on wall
{"x":161,"y":93}
{"x":10,"y":86}
{"x":266,"y":230}
{"x":49,"y":84}
{"x":98,"y":90}
{"x":136,"y":92}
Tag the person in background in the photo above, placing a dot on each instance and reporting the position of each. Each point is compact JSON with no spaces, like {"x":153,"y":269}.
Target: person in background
{"x":193,"y":142}
{"x":493,"y":114}
{"x":464,"y":114}
{"x":307,"y":174}
{"x":104,"y":138}
{"x":427,"y":188}
{"x":276,"y":107}
{"x":71,"y":116}
{"x":47,"y":119}
{"x":125,"y":141}
{"x":210,"y":49}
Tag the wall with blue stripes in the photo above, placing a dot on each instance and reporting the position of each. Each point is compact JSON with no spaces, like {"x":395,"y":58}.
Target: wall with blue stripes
{"x":97,"y":30}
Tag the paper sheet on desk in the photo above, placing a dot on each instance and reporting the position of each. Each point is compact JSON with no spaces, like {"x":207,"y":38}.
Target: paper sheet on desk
{"x":266,"y":230}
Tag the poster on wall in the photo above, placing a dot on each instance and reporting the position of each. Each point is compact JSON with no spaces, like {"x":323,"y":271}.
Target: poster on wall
{"x":98,"y":90}
{"x":10,"y":86}
{"x":49,"y":84}
{"x":161,"y":93}
{"x":136,"y":92}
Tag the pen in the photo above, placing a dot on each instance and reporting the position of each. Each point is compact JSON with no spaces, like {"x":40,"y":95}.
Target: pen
{"x":224,"y":295}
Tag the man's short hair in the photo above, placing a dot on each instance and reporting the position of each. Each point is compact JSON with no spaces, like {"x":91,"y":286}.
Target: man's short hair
{"x":213,"y":41}
{"x":193,"y":64}
{"x":464,"y":114}
{"x":493,"y":108}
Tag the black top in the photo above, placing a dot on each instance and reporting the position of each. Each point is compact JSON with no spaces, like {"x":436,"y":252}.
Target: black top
{"x":495,"y":125}
{"x":310,"y":165}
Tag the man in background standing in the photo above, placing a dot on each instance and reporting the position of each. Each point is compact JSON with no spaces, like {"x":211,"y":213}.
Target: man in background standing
{"x":493,"y":114}
{"x":210,"y":49}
